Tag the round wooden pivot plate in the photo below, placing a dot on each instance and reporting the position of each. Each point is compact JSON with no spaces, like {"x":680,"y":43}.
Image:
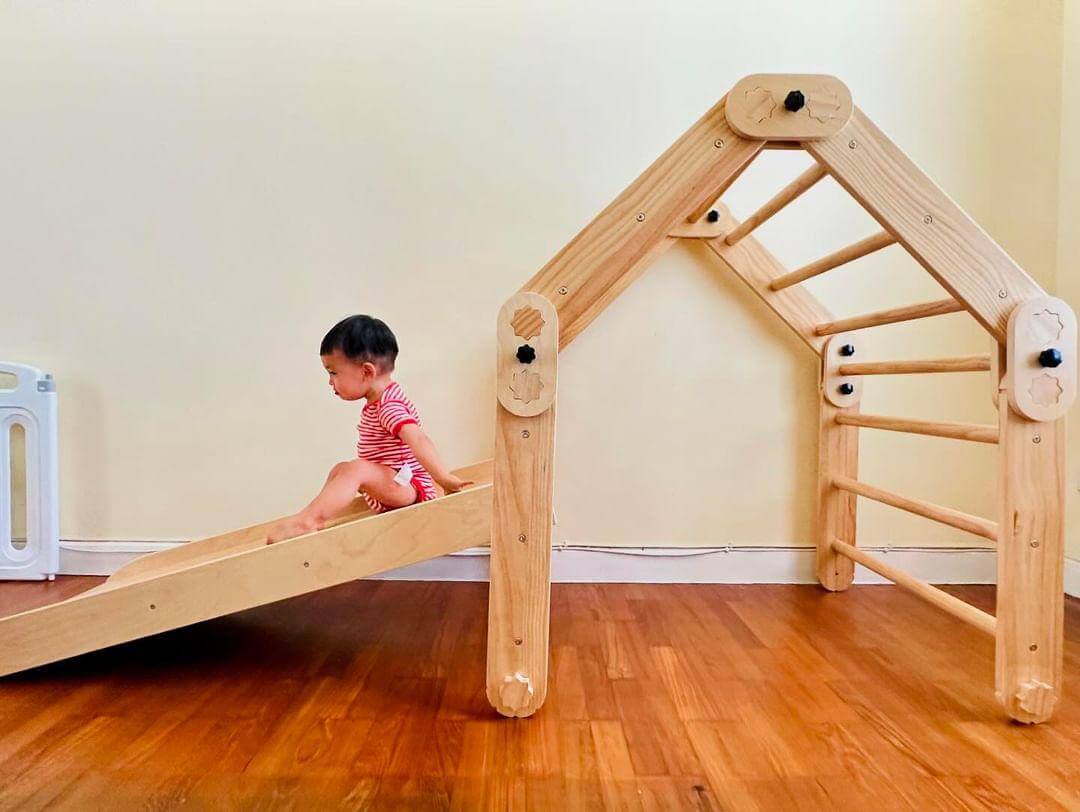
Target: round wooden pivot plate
{"x":755,"y":106}
{"x":1040,"y":392}
{"x":527,"y":390}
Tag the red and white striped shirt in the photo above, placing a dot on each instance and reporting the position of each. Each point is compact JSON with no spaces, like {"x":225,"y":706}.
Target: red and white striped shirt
{"x":380,"y":425}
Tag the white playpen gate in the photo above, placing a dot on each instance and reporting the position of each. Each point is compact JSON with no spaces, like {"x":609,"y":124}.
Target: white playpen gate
{"x":29,"y":477}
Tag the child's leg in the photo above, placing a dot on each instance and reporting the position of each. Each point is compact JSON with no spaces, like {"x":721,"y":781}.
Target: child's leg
{"x":346,"y":479}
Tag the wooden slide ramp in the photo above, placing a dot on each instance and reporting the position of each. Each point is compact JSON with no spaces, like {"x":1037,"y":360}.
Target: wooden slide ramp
{"x":236,"y":571}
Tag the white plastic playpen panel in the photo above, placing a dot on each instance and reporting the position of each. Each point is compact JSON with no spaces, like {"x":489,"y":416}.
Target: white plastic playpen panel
{"x":29,"y":486}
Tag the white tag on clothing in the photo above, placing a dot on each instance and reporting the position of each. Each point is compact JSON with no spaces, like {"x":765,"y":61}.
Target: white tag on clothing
{"x":404,"y":475}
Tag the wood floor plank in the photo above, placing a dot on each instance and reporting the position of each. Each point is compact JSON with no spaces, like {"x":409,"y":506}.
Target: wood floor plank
{"x":371,"y":695}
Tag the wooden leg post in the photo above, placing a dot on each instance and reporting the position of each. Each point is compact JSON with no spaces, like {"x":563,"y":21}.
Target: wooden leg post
{"x":1031,"y":555}
{"x":1037,"y":389}
{"x":520,"y":592}
{"x":838,"y":455}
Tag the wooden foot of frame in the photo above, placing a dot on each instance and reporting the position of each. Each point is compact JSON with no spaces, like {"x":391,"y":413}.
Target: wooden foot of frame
{"x":1031,"y":545}
{"x":520,"y":593}
{"x":1030,"y":589}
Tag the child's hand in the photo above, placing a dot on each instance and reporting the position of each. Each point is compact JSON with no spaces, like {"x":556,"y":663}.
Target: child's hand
{"x":453,"y":484}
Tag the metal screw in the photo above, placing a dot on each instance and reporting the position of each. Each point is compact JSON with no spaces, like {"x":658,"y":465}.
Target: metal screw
{"x":1002,"y":294}
{"x":1035,"y":543}
{"x":564,"y":290}
{"x":641,"y":217}
{"x":522,"y":538}
{"x":851,"y":144}
{"x":928,"y":219}
{"x":517,"y":641}
{"x":718,"y":143}
{"x":1036,"y":439}
{"x":1033,"y":647}
{"x":525,"y":434}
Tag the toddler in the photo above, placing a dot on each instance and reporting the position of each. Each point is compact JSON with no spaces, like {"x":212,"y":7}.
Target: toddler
{"x":397,"y":463}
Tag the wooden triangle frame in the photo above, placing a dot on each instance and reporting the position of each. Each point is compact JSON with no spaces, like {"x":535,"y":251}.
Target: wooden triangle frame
{"x":676,"y":198}
{"x":1033,"y":368}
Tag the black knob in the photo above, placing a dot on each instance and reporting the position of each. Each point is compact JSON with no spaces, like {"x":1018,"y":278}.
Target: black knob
{"x":713,"y":216}
{"x":794,"y":101}
{"x":846,"y":389}
{"x":847,"y":350}
{"x":1050,"y":357}
{"x":526,"y":354}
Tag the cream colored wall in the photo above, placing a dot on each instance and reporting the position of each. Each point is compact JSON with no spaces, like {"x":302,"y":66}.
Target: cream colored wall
{"x":1068,"y":244}
{"x":194,"y":192}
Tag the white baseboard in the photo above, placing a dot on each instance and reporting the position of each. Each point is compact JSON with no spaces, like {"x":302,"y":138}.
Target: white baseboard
{"x":647,"y":565}
{"x":664,"y":565}
{"x":697,"y":565}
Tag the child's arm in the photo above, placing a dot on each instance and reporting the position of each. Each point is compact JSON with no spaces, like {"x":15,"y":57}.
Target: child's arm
{"x":426,"y":455}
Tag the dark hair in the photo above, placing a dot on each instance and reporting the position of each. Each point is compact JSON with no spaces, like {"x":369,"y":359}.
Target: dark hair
{"x":362,"y":339}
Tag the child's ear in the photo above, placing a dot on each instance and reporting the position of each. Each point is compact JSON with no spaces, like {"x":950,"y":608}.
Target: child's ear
{"x":369,"y":370}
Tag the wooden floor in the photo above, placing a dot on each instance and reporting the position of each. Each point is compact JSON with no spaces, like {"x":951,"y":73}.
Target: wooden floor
{"x":677,"y":697}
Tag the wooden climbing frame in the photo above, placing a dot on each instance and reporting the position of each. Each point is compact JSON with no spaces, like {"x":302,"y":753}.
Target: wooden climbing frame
{"x":678,"y":197}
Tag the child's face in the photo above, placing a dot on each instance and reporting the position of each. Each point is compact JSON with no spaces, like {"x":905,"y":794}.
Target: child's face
{"x":349,"y":379}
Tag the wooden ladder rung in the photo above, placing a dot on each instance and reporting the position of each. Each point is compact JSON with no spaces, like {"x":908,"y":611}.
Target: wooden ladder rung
{"x":917,"y":311}
{"x":954,"y":518}
{"x":806,"y":180}
{"x":943,"y":600}
{"x":975,"y":432}
{"x":964,"y":363}
{"x":868,"y":245}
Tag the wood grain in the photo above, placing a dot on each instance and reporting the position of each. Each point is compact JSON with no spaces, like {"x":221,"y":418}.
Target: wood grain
{"x":802,"y":184}
{"x":963,"y":363}
{"x":1031,"y":560}
{"x":920,"y":507}
{"x":757,"y":106}
{"x":755,"y":266}
{"x":370,"y":695}
{"x":838,"y":456}
{"x":700,"y":230}
{"x":623,"y":240}
{"x":893,"y":315}
{"x":833,"y":383}
{"x":515,"y":391}
{"x":519,"y":607}
{"x":949,"y":429}
{"x":842,"y":256}
{"x":112,"y":614}
{"x":1040,"y":392}
{"x":983,"y":621}
{"x":934,"y":230}
{"x":202,"y":551}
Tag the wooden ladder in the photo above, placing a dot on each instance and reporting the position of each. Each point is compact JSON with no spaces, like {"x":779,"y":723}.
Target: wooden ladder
{"x":1033,"y":365}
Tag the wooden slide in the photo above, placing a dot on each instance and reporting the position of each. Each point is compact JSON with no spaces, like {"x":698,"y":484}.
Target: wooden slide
{"x":236,"y":571}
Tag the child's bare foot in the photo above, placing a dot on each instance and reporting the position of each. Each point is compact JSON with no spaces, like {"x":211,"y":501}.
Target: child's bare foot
{"x":291,"y":528}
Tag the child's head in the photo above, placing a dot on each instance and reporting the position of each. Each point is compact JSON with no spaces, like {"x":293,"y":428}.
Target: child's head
{"x":357,"y":351}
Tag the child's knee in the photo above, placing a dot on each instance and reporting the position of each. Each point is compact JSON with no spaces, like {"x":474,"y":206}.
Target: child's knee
{"x":356,"y":470}
{"x":341,"y":468}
